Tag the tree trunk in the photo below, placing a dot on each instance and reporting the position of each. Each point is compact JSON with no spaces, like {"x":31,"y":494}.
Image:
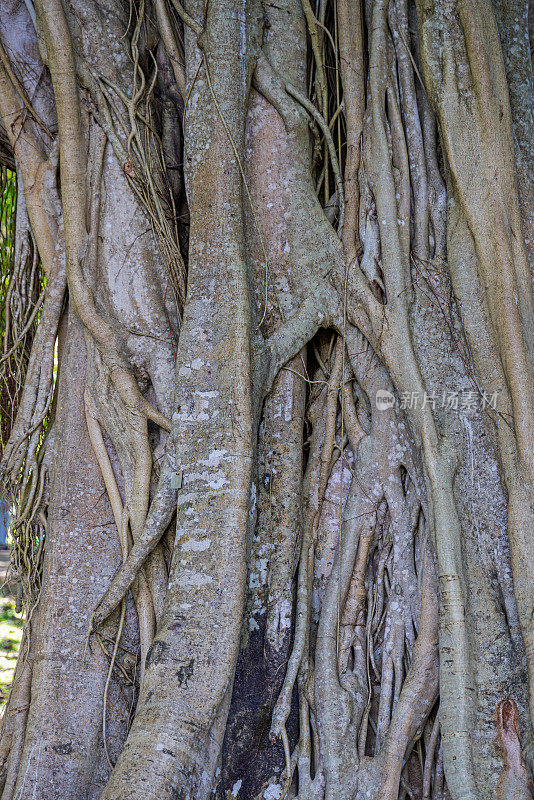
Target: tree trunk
{"x":271,"y":321}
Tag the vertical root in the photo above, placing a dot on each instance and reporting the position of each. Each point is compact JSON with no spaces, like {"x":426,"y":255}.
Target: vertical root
{"x":124,"y":547}
{"x":142,"y":595}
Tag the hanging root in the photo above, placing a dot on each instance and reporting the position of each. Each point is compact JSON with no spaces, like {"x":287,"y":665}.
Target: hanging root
{"x":157,"y":522}
{"x":142,"y":156}
{"x":27,"y":373}
{"x":124,"y":540}
{"x":305,"y":573}
{"x":142,"y":595}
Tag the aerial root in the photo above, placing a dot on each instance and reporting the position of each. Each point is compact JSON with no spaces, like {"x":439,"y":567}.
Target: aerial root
{"x":124,"y":539}
{"x":122,"y":518}
{"x":305,"y":571}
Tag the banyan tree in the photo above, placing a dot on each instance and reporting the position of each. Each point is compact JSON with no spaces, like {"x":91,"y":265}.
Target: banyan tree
{"x":267,"y":398}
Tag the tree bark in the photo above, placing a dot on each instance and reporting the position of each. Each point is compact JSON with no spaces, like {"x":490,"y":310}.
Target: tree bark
{"x":272,"y":455}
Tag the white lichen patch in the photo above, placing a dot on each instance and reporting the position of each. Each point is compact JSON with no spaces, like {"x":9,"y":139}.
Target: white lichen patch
{"x":273,"y":792}
{"x":214,"y":458}
{"x":215,"y":480}
{"x":197,"y":545}
{"x":195,"y":579}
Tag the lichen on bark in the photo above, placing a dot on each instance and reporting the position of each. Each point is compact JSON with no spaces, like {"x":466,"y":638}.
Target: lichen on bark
{"x":272,"y":456}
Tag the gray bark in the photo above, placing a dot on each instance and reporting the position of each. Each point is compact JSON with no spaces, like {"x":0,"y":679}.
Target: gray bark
{"x":280,"y":560}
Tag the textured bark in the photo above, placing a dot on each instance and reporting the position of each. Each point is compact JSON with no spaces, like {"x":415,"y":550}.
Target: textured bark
{"x":273,"y":458}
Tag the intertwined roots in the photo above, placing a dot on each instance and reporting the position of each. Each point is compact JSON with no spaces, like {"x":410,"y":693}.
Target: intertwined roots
{"x":351,"y":280}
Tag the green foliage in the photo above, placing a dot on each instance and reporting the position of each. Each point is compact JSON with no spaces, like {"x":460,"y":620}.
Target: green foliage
{"x":8,"y":203}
